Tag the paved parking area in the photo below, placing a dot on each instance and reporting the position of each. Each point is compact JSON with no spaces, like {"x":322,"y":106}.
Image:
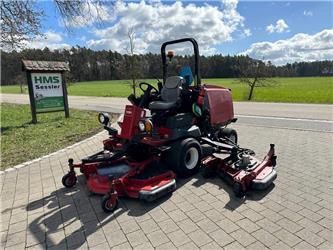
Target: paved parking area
{"x":38,"y":213}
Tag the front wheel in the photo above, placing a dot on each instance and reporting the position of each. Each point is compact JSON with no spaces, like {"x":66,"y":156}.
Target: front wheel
{"x":69,"y":179}
{"x":109,"y":202}
{"x":184,"y":157}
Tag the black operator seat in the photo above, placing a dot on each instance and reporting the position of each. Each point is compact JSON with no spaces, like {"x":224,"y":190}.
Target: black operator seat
{"x":170,"y":94}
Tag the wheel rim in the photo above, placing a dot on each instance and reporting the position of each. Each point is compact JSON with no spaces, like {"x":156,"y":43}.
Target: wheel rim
{"x":109,"y":204}
{"x":70,"y":181}
{"x":191,"y":158}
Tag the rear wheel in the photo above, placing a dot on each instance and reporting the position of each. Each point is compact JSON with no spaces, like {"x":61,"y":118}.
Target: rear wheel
{"x":230,"y":134}
{"x":185,"y":157}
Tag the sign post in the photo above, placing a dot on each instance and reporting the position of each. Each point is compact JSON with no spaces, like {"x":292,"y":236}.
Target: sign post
{"x":47,"y":87}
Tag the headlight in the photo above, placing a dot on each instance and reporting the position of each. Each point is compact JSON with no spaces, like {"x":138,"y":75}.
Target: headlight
{"x":145,"y":126}
{"x":148,"y":126}
{"x":103,"y":118}
{"x":142,"y":126}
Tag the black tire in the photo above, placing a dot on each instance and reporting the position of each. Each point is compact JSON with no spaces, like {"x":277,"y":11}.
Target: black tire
{"x":229,"y":133}
{"x":238,"y":190}
{"x":107,"y":206}
{"x":184,"y":157}
{"x":69,"y":179}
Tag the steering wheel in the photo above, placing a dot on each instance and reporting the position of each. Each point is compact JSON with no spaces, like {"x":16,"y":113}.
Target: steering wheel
{"x":148,"y":89}
{"x":148,"y":92}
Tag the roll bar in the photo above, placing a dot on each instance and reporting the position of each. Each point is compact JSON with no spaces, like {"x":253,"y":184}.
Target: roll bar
{"x":197,"y":77}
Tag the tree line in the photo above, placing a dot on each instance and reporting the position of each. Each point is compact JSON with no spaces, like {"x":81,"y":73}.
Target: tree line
{"x":89,"y":65}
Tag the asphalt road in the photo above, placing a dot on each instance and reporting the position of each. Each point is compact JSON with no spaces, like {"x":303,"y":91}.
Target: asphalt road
{"x":312,"y":117}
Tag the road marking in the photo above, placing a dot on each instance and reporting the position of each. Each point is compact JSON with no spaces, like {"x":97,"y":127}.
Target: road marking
{"x":284,"y":127}
{"x":285,"y":118}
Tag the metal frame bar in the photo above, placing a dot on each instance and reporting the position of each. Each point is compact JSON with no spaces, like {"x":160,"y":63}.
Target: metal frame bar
{"x":197,"y":76}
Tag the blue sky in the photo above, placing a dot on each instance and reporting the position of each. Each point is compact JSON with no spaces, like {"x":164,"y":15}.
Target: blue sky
{"x":281,"y":31}
{"x":259,"y":15}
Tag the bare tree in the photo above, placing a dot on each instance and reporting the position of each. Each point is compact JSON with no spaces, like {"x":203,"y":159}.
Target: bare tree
{"x":255,"y":74}
{"x":132,"y":59}
{"x":20,"y":22}
{"x":21,"y":19}
{"x":80,"y":12}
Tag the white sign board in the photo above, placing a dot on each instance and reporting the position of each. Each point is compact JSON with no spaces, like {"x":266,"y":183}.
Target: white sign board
{"x":47,"y":91}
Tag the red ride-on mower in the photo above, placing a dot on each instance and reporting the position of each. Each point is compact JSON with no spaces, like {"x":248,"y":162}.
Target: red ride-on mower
{"x":186,"y":129}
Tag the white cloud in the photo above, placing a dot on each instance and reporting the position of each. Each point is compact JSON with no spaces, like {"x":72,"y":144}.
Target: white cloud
{"x":51,"y":39}
{"x":300,"y":47}
{"x":279,"y":27}
{"x":158,"y":22}
{"x":247,"y":32}
{"x":307,"y":13}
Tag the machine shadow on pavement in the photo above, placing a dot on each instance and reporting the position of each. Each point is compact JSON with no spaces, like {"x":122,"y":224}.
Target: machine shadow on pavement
{"x":70,"y":216}
{"x":234,"y":202}
{"x":67,"y":217}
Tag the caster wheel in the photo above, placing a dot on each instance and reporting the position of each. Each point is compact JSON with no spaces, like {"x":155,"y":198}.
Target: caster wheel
{"x":238,"y":190}
{"x":69,"y":179}
{"x":109,"y":203}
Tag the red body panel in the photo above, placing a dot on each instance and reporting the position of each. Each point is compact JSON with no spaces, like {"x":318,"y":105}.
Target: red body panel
{"x":98,"y":184}
{"x":132,"y":116}
{"x":128,"y":185}
{"x":87,"y":169}
{"x":125,"y":186}
{"x":164,"y":132}
{"x":241,"y":176}
{"x":111,"y":144}
{"x":219,"y":102}
{"x":154,"y":142}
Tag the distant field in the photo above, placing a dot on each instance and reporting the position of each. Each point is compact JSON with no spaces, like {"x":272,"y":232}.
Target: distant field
{"x":297,"y":90}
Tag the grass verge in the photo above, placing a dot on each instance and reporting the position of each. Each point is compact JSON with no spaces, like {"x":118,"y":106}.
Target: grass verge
{"x":22,"y":141}
{"x":292,"y":89}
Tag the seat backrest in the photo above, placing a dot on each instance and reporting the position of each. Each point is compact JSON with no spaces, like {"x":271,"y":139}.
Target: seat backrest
{"x":171,"y":89}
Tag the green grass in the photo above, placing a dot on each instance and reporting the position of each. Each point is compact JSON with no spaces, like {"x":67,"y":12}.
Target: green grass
{"x":294,"y":90}
{"x":22,"y":141}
